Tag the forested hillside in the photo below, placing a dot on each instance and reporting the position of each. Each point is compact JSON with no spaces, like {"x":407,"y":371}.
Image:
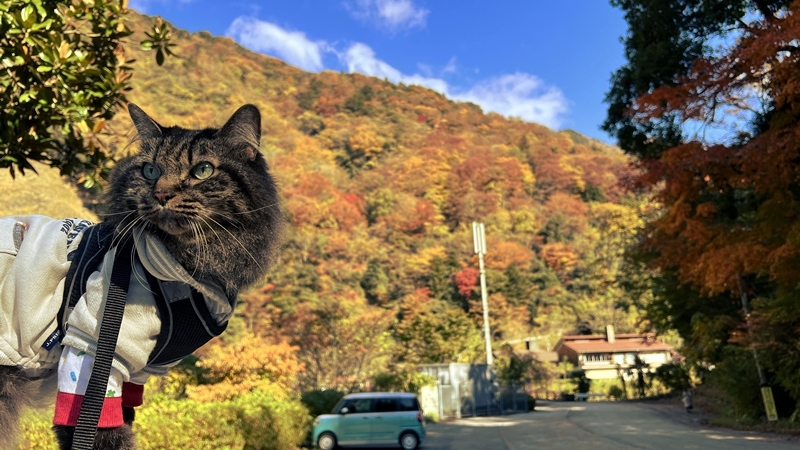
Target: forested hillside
{"x":381,"y":183}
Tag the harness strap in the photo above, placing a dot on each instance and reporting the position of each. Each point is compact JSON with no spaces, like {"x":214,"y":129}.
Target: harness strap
{"x":89,"y":416}
{"x":90,"y":252}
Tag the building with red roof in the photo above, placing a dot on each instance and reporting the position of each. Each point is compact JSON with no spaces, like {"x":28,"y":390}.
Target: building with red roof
{"x":609,"y":355}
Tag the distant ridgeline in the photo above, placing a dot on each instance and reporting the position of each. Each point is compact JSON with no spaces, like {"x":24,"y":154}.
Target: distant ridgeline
{"x":381,"y":183}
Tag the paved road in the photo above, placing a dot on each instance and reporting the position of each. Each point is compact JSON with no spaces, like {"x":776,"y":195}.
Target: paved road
{"x":595,"y":426}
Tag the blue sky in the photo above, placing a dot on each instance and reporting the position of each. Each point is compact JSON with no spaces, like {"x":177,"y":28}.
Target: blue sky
{"x":543,"y":61}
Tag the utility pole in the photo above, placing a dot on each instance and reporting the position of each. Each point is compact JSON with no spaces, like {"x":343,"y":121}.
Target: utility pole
{"x":766,"y":389}
{"x":479,"y":240}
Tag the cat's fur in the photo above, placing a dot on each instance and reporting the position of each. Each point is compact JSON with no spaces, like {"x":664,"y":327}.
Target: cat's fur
{"x":223,"y":228}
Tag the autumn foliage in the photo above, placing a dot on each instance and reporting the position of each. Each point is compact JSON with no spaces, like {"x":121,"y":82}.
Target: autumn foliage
{"x":380,"y":183}
{"x":729,"y":192}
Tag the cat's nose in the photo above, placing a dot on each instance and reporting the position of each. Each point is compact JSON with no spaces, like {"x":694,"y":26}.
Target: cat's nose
{"x":163,"y":197}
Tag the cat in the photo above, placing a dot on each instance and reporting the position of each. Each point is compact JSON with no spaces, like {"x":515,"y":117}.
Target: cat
{"x":205,"y":195}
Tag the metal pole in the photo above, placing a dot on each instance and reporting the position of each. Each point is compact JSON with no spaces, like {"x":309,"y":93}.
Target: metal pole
{"x":746,"y":307}
{"x":479,"y":240}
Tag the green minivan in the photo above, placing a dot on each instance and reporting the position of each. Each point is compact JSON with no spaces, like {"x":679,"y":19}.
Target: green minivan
{"x":373,"y":419}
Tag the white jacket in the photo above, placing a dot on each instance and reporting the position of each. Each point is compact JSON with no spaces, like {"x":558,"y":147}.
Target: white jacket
{"x":34,"y":259}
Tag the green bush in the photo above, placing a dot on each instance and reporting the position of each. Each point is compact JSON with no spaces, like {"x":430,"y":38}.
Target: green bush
{"x":675,"y":377}
{"x":583,"y":383}
{"x":259,"y":420}
{"x":403,"y":381}
{"x":63,"y":74}
{"x":35,"y":430}
{"x":616,"y":392}
{"x":321,"y":402}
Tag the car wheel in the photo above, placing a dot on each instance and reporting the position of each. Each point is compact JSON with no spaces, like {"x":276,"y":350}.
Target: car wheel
{"x":409,"y":441}
{"x":326,"y":441}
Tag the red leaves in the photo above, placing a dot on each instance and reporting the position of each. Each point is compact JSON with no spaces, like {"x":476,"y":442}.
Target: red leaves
{"x":467,"y":280}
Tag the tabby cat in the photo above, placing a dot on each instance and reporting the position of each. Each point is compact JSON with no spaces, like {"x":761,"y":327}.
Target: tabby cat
{"x":208,"y":197}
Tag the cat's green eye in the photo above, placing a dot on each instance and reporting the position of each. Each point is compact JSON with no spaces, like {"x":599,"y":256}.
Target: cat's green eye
{"x":203,"y":170}
{"x":150,"y":171}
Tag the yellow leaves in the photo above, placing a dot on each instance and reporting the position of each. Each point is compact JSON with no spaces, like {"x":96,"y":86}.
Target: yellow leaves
{"x":523,"y":222}
{"x":247,"y":364}
{"x":419,"y":264}
{"x":63,"y":50}
{"x":559,"y":256}
{"x":613,"y":218}
{"x":503,"y":254}
{"x":98,"y":125}
{"x":366,"y":140}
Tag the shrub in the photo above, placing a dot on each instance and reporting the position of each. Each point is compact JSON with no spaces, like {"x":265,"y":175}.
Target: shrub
{"x":580,"y":379}
{"x":321,"y":402}
{"x":616,"y":392}
{"x":259,"y":420}
{"x":35,"y":431}
{"x":673,"y":376}
{"x":403,"y":381}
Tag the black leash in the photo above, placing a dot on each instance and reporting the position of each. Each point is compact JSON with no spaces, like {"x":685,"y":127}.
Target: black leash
{"x":89,"y":416}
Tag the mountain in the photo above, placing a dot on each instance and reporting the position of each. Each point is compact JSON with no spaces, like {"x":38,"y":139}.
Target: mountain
{"x":381,"y":183}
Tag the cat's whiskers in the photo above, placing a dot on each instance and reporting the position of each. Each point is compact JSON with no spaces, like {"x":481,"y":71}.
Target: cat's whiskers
{"x":116,"y":214}
{"x":126,"y":228}
{"x":210,"y":228}
{"x":234,"y":222}
{"x":207,"y":245}
{"x":196,"y":231}
{"x":234,"y":238}
{"x":257,"y":209}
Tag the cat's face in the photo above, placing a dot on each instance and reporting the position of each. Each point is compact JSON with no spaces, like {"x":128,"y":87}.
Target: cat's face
{"x":190,"y":182}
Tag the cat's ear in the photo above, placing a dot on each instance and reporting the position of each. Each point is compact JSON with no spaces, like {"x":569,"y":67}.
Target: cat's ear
{"x":145,"y":126}
{"x":243,"y":131}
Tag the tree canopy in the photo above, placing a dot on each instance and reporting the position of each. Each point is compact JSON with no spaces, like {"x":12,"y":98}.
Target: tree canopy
{"x":64,"y":72}
{"x":708,"y":102}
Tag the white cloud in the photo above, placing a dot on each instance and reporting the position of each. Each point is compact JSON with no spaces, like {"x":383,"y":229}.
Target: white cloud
{"x":394,"y":14}
{"x":451,"y":66}
{"x":291,"y":46}
{"x":361,"y":58}
{"x":519,"y":95}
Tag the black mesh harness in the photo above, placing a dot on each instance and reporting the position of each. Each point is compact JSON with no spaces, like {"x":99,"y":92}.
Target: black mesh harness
{"x":186,"y":322}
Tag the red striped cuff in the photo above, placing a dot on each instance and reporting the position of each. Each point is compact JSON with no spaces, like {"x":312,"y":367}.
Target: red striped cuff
{"x":68,"y":406}
{"x":132,"y":394}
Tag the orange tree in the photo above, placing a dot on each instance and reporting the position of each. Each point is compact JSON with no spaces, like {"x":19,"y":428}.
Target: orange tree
{"x":709,"y":101}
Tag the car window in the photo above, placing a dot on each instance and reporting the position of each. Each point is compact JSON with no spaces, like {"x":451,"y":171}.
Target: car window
{"x":385,"y":405}
{"x":408,"y":404}
{"x":356,"y":405}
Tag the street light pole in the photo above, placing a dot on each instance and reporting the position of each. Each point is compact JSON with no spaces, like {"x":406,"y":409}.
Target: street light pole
{"x":479,"y":241}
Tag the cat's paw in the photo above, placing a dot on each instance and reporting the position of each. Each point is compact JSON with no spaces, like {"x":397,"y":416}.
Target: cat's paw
{"x":120,"y":438}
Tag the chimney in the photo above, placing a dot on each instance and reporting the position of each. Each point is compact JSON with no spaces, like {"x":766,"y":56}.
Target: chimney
{"x":610,"y":334}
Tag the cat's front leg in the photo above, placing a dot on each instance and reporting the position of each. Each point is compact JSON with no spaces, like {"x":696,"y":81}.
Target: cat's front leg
{"x":119,"y":438}
{"x":13,"y":396}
